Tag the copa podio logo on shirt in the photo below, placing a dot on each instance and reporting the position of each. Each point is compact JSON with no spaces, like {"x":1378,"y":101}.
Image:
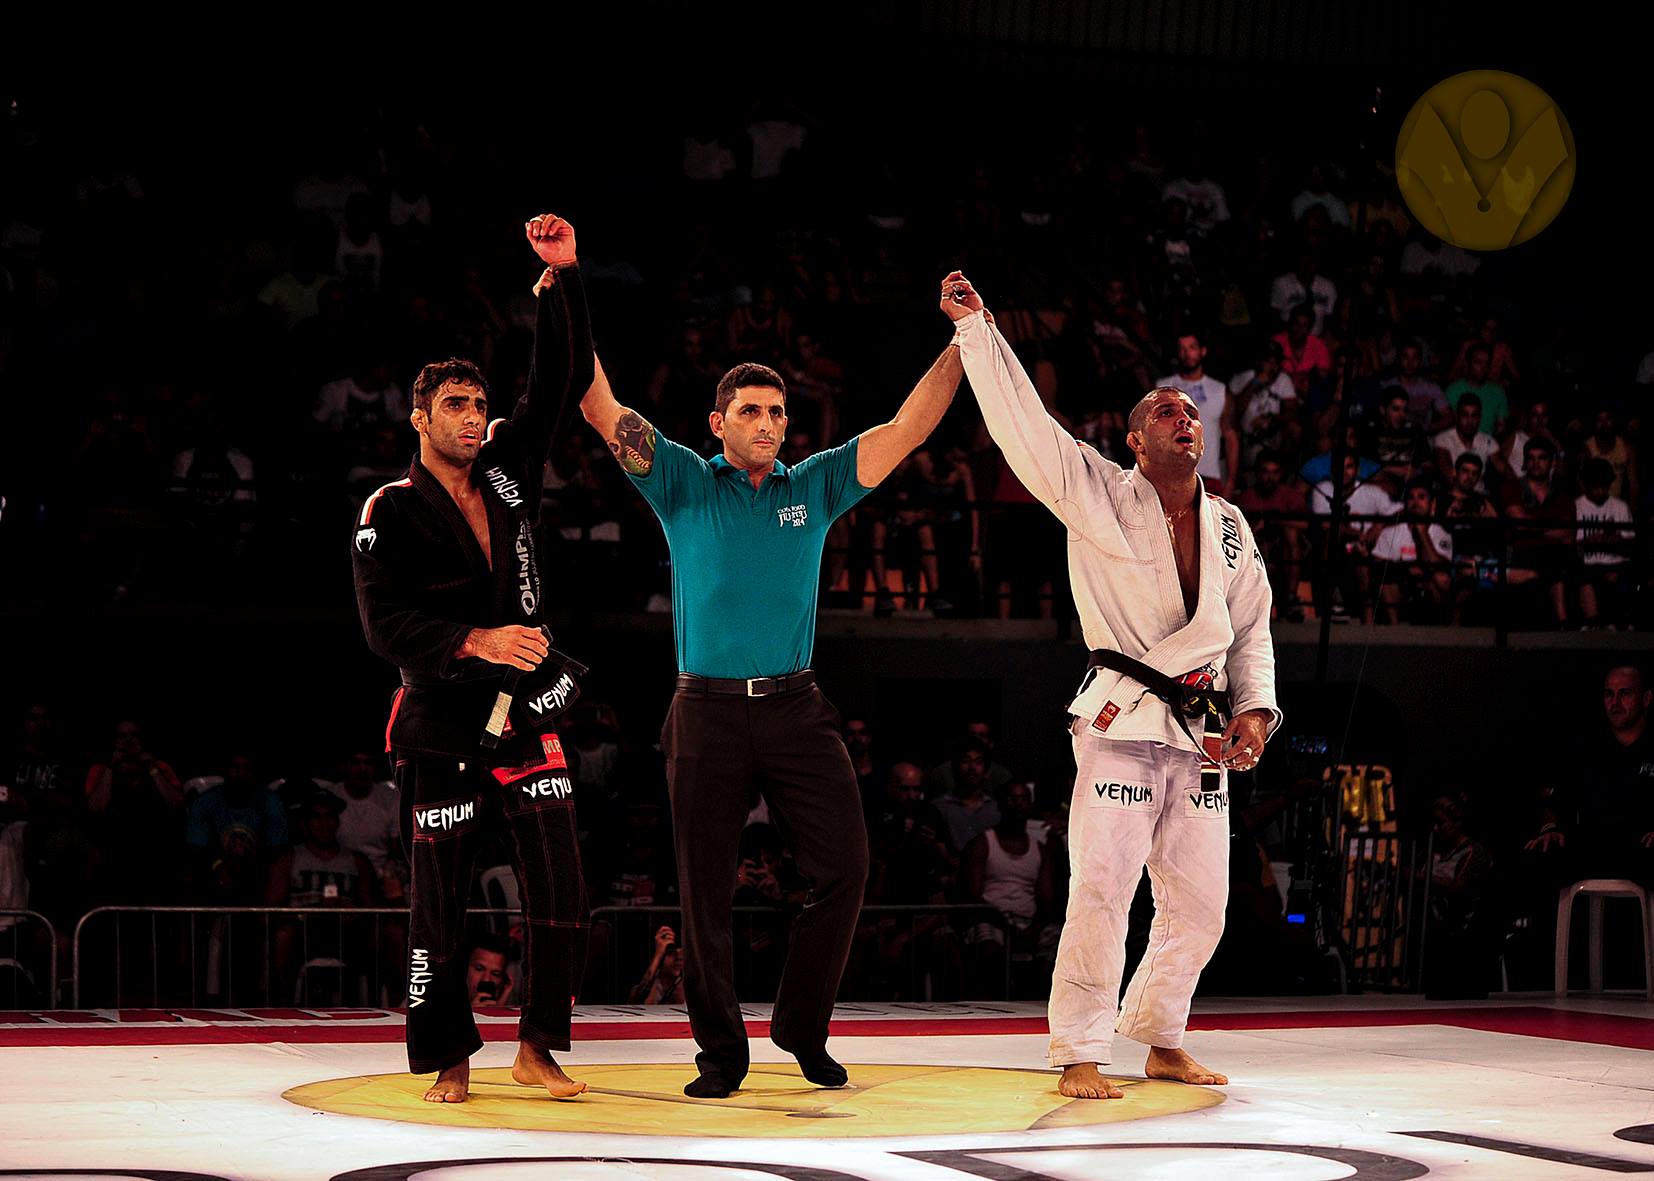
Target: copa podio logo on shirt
{"x":794,"y":515}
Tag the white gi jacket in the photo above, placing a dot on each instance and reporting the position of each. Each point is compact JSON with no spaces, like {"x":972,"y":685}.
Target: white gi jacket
{"x":1121,"y":563}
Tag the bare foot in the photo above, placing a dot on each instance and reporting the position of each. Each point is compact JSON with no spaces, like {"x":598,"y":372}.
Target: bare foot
{"x":452,"y":1085}
{"x":536,"y":1068}
{"x":1082,"y":1080}
{"x":1180,"y":1068}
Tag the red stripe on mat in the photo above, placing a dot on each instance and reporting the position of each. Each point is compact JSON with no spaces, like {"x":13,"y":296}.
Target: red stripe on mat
{"x":1595,"y":1028}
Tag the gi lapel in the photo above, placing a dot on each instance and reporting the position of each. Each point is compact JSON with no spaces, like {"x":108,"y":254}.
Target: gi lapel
{"x":439,"y":499}
{"x":1174,"y":655}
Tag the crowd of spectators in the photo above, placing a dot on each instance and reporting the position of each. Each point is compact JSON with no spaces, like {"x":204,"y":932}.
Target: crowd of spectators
{"x":966,"y":892}
{"x":85,"y":828}
{"x":248,"y":387}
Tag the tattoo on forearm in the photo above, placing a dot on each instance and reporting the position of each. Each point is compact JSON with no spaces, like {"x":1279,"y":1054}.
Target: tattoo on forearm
{"x":634,"y":444}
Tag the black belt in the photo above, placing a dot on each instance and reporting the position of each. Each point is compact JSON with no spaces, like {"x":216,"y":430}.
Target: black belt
{"x":751,"y":687}
{"x":1185,"y":701}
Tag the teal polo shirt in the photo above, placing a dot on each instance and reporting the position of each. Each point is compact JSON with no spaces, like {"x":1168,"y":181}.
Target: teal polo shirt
{"x":746,"y":562}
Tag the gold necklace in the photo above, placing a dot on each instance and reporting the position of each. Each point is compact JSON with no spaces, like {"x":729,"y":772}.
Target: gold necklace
{"x":1173,"y":518}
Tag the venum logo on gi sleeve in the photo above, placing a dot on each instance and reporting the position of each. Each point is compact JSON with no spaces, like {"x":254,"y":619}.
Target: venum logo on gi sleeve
{"x":794,"y":515}
{"x":1134,"y":797}
{"x":365,"y":537}
{"x":504,"y":486}
{"x":1231,"y":539}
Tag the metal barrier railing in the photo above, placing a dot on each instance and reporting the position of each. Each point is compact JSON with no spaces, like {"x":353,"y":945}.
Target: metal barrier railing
{"x":189,"y":954}
{"x":203,"y":953}
{"x":23,"y":964}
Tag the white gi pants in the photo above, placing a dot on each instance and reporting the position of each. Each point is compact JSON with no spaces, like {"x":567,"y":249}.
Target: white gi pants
{"x":1137,"y":804}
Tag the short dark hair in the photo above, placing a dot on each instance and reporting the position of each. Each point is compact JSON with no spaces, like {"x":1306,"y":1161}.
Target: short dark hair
{"x":1471,"y":458}
{"x":438,"y":374}
{"x":1474,"y":400}
{"x":1420,"y":482}
{"x":747,"y":373}
{"x":1392,"y":392}
{"x":498,"y":944}
{"x":1540,"y":444}
{"x":1139,"y":415}
{"x":1596,"y":472}
{"x":1268,"y":455}
{"x":1478,"y":347}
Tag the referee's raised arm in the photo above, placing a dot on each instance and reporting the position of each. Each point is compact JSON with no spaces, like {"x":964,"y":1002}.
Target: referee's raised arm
{"x":630,"y":436}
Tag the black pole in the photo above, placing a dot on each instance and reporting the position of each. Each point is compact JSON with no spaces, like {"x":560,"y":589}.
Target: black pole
{"x":1340,"y":430}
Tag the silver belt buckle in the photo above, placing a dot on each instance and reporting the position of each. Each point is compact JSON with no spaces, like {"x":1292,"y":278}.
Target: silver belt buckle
{"x":751,"y":681}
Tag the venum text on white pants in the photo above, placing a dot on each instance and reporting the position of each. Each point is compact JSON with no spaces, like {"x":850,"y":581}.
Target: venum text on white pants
{"x":1137,"y":804}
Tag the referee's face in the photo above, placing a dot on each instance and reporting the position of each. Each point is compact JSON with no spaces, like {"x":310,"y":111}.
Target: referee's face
{"x":753,"y":427}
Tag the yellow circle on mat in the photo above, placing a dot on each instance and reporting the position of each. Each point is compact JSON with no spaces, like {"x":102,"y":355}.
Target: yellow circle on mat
{"x":775,"y":1101}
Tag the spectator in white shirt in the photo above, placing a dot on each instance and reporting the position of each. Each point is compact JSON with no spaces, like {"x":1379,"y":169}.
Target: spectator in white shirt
{"x":371,"y":822}
{"x":361,"y":403}
{"x":1208,"y":207}
{"x":1304,"y":286}
{"x":1349,"y":570}
{"x":1263,"y":403}
{"x":1315,"y":193}
{"x":1420,"y":555}
{"x":361,"y":255}
{"x":1426,"y":402}
{"x":1217,"y":464}
{"x":1464,"y":436}
{"x":1604,"y":553}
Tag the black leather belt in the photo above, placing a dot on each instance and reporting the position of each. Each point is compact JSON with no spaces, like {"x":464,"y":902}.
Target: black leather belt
{"x":751,"y":687}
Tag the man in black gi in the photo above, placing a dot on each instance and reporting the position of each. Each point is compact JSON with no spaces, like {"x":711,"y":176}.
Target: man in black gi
{"x":449,"y":591}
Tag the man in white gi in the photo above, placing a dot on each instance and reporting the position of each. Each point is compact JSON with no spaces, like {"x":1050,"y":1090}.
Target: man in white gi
{"x":1174,"y":603}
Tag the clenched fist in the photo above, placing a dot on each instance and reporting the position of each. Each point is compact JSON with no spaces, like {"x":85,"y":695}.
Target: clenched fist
{"x":959,"y":298}
{"x":552,"y":239}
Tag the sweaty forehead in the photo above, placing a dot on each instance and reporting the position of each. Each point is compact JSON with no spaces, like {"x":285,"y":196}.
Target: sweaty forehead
{"x":1174,"y":398}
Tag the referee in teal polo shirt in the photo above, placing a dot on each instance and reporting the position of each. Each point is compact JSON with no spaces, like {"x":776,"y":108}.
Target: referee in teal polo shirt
{"x":746,"y":533}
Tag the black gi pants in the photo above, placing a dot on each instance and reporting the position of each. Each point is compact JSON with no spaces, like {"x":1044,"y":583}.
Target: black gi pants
{"x":718,"y":748}
{"x":449,"y":802}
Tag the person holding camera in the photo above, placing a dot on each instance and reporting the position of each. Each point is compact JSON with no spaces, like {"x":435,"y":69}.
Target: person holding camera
{"x":662,"y":983}
{"x":488,"y":980}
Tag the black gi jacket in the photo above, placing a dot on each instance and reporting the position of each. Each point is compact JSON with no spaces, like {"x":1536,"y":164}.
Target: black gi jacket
{"x":422,"y":582}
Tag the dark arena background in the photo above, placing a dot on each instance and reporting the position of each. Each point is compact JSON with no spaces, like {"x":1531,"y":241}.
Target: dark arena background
{"x":220,"y":275}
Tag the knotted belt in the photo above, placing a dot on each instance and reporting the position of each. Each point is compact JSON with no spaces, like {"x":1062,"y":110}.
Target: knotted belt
{"x":1187,"y":702}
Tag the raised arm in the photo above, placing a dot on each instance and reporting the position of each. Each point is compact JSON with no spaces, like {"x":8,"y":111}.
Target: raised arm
{"x":1045,"y":457}
{"x":629,"y":435}
{"x":561,"y":367}
{"x":882,"y":447}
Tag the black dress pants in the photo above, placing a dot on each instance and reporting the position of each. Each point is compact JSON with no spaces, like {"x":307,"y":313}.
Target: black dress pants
{"x":718,"y":748}
{"x":450,"y":802}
